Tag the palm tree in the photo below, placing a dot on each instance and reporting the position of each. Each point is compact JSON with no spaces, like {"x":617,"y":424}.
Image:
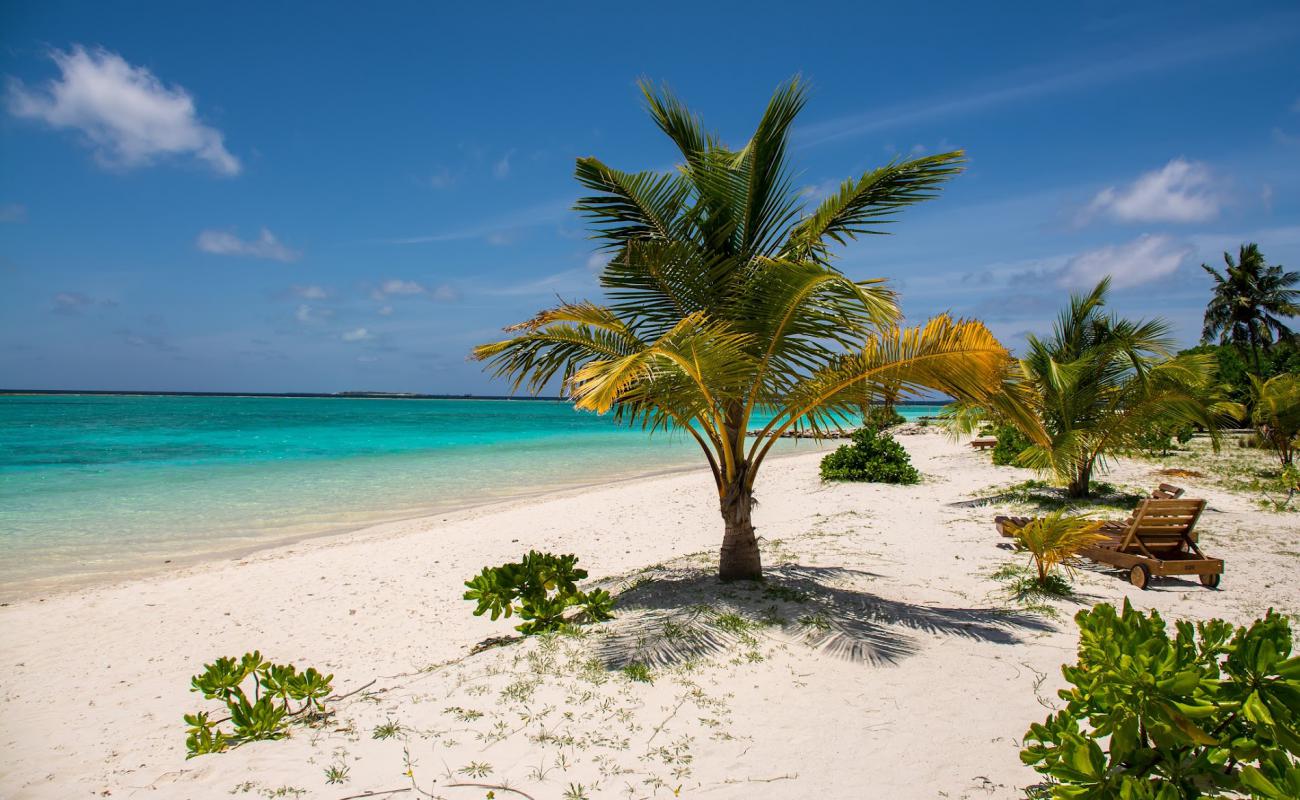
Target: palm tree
{"x":1277,"y":414}
{"x":1095,"y":387}
{"x":1250,"y":299}
{"x":723,"y":306}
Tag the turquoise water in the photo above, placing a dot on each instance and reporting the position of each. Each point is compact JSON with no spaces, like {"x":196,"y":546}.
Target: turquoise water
{"x":99,"y":485}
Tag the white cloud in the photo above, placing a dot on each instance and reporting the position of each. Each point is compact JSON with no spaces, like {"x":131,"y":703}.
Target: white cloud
{"x":385,"y":311}
{"x":396,"y":286}
{"x":358,"y":335}
{"x":1142,"y":260}
{"x":441,"y":179}
{"x":1181,"y":191}
{"x":13,"y":212}
{"x":224,"y":243}
{"x":310,"y":292}
{"x":597,"y":261}
{"x":501,"y":169}
{"x":126,"y":114}
{"x":308,"y":314}
{"x":445,"y":293}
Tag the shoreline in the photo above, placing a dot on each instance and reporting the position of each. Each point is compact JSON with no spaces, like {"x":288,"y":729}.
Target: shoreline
{"x":39,"y":589}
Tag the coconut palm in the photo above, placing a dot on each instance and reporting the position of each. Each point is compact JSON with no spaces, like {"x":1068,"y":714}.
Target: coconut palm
{"x":1277,"y":414}
{"x":1250,"y":301}
{"x":1097,"y":386}
{"x":723,"y":306}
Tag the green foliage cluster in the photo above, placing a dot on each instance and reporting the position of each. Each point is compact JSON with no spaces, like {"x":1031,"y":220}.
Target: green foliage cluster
{"x":267,"y":716}
{"x":1234,"y":367}
{"x":1212,"y":712}
{"x":882,"y":417}
{"x":1011,"y":443}
{"x":1159,"y":439}
{"x":541,"y":587}
{"x":874,"y":456}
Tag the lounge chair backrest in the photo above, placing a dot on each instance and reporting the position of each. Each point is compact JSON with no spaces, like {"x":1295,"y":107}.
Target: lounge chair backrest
{"x":1162,"y":525}
{"x":1167,"y":491}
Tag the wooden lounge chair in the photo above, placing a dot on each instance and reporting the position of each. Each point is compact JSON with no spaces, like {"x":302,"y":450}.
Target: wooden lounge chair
{"x":1007,"y":526}
{"x":1158,"y":540}
{"x":984,"y":444}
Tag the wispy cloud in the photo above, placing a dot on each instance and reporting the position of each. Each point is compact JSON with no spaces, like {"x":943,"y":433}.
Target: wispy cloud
{"x":397,"y":287}
{"x":13,"y":213}
{"x":501,"y":169}
{"x":225,"y":243}
{"x":1056,"y":79}
{"x":76,"y":302}
{"x":129,"y":117}
{"x":357,"y":335}
{"x":547,"y":213}
{"x":307,"y":314}
{"x":1145,"y":259}
{"x":310,"y":292}
{"x":1180,"y":191}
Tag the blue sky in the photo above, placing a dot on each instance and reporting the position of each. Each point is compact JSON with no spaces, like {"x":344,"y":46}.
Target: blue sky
{"x":293,"y":197}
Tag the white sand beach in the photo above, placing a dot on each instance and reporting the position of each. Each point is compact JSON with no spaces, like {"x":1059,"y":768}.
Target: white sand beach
{"x":879,"y":659}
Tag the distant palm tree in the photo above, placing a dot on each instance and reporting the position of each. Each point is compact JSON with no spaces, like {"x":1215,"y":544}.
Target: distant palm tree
{"x":723,"y":305}
{"x":1096,"y":387}
{"x":1250,"y":301}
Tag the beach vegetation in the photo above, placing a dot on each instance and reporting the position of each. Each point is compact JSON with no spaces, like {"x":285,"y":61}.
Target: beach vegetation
{"x":274,"y":687}
{"x":882,"y":417}
{"x":337,"y":773}
{"x":1096,"y":387}
{"x":636,"y":671}
{"x":874,"y":456}
{"x":387,"y":729}
{"x":1277,"y":414}
{"x":1212,"y":711}
{"x":1250,"y":301}
{"x":725,"y":307}
{"x":542,"y":589}
{"x":1011,"y":443}
{"x":1053,"y":540}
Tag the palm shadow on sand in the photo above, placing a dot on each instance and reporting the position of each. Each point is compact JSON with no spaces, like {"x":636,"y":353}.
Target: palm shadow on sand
{"x":686,"y":613}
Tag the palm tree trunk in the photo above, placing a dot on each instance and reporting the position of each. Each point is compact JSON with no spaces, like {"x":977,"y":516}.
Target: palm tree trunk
{"x":1080,"y":482}
{"x":739,"y":559}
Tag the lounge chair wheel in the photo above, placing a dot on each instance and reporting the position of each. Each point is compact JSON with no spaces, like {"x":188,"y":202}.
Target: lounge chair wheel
{"x":1211,"y":581}
{"x":1139,"y":576}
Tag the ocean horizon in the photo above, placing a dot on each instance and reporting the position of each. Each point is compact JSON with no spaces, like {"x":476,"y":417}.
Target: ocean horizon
{"x":98,"y":485}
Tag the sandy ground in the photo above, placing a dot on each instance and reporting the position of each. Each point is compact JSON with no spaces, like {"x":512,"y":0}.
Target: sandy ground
{"x":878,"y":660}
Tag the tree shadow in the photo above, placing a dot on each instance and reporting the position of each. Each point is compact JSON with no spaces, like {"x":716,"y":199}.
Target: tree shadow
{"x":687,"y":613}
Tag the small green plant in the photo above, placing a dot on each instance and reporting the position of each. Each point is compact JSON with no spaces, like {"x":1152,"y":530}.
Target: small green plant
{"x":1011,"y":443}
{"x":267,"y":716}
{"x":1055,"y":538}
{"x":873,"y":456}
{"x":639,"y":672}
{"x":1159,"y":438}
{"x":337,"y":773}
{"x":1212,"y":712}
{"x":541,"y":588}
{"x":386,"y":730}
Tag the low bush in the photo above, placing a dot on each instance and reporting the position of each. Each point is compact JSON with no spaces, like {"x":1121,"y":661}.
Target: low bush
{"x":873,"y":456}
{"x":1159,"y":439}
{"x":267,"y":715}
{"x":1212,"y":712}
{"x":541,"y":588}
{"x":1011,"y":443}
{"x":882,"y":417}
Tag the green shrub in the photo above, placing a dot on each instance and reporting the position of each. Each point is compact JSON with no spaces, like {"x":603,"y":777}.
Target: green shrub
{"x":267,"y":715}
{"x":874,"y":456}
{"x":541,"y":588}
{"x":1212,"y":712}
{"x":882,"y":417}
{"x":1011,"y":443}
{"x":1158,"y":440}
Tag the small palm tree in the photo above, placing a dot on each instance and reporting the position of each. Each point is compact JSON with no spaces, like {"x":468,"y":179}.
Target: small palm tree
{"x":724,"y":307}
{"x":1250,"y":301}
{"x":1053,"y":540}
{"x":1277,"y":414}
{"x":1097,"y":386}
